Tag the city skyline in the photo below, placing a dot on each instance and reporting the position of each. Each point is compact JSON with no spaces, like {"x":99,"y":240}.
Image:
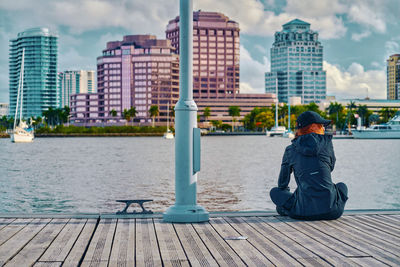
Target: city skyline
{"x":358,"y":36}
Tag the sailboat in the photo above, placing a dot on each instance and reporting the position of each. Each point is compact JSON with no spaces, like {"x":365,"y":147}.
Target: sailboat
{"x":168,"y":134}
{"x":21,"y":133}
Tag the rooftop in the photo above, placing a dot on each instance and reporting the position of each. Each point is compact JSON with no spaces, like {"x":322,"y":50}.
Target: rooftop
{"x":296,"y":22}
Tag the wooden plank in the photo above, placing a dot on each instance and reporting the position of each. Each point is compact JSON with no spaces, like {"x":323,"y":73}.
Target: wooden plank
{"x":378,"y":225}
{"x":13,"y":245}
{"x":367,"y":261}
{"x":47,"y":264}
{"x":269,"y":249}
{"x":222,"y":253}
{"x":358,"y":240}
{"x":372,"y":231}
{"x":82,"y":243}
{"x":364,"y":236}
{"x":99,"y":249}
{"x":314,"y":241}
{"x":147,"y":253}
{"x":389,"y":220}
{"x":195,"y":250}
{"x":243,"y":248}
{"x":61,"y":246}
{"x":171,"y":250}
{"x":13,"y":228}
{"x":36,"y":247}
{"x":296,"y":250}
{"x":5,"y":221}
{"x":322,"y":235}
{"x":123,"y":248}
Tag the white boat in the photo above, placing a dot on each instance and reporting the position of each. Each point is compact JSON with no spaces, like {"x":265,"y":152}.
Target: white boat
{"x":21,"y":133}
{"x":389,"y":130}
{"x":276,"y":131}
{"x":168,"y":134}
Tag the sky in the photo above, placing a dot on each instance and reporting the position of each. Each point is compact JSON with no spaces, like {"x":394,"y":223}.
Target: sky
{"x":358,"y":35}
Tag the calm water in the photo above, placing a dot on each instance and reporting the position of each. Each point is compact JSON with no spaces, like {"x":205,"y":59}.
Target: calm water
{"x":89,"y":174}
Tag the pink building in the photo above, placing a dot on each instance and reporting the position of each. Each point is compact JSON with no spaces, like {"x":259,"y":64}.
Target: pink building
{"x":215,"y":54}
{"x":139,"y":71}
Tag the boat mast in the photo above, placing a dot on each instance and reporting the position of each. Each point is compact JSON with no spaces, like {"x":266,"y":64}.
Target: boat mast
{"x":20,"y":84}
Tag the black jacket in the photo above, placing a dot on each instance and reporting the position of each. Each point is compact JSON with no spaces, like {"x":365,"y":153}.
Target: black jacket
{"x":312,"y":159}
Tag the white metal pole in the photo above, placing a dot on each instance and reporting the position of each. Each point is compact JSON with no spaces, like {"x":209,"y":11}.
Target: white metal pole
{"x":187,"y":135}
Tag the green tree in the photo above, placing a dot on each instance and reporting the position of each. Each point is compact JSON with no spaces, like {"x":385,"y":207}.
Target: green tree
{"x":363,"y":111}
{"x":350,"y":115}
{"x":373,"y":118}
{"x":234,"y":111}
{"x":265,"y":119}
{"x":335,"y":108}
{"x":312,"y":107}
{"x":206,"y":113}
{"x":249,"y":120}
{"x":216,"y":124}
{"x":387,"y":113}
{"x":129,"y":115}
{"x":172,"y":111}
{"x":113,"y":113}
{"x":153,"y":113}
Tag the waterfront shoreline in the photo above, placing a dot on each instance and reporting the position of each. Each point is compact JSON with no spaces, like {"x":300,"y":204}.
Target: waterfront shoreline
{"x":49,"y":135}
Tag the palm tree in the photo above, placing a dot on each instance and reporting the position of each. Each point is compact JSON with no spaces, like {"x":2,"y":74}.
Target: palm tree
{"x":234,"y":111}
{"x":362,"y":110}
{"x":113,"y":113}
{"x":132,"y":111}
{"x":335,"y":108}
{"x":129,"y":114}
{"x":206,"y":113}
{"x":154,"y":112}
{"x":350,"y":106}
{"x":387,"y":113}
{"x":126,"y":115}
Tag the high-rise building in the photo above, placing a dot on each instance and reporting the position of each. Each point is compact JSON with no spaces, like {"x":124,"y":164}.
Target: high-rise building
{"x":140,"y":71}
{"x":74,"y":82}
{"x":4,"y":109}
{"x":393,"y":77}
{"x":40,"y":71}
{"x":215,"y":54}
{"x":296,"y":64}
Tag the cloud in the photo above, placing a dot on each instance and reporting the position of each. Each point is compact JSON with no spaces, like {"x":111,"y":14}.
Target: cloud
{"x":252,"y":73}
{"x":355,"y":81}
{"x":312,"y":8}
{"x":391,"y":48}
{"x":80,"y":16}
{"x":71,"y":59}
{"x":358,"y":36}
{"x":368,"y":14}
{"x":152,"y":16}
{"x":259,"y":21}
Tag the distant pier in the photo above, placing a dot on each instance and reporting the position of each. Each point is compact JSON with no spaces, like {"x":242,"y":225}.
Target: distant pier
{"x":228,"y":239}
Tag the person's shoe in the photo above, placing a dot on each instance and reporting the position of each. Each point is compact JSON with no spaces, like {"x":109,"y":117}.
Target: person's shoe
{"x":282,"y":211}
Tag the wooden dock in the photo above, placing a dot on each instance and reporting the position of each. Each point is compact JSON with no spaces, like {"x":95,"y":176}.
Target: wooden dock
{"x":365,"y":239}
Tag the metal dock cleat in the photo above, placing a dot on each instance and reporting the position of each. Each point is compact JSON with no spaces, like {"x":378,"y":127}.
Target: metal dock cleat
{"x":136,"y":201}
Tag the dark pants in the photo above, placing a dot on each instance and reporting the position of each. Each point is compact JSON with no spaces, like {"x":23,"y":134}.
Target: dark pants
{"x":284,"y":200}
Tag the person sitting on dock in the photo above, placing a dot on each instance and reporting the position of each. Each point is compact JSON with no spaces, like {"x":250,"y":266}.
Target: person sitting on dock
{"x":312,"y":159}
